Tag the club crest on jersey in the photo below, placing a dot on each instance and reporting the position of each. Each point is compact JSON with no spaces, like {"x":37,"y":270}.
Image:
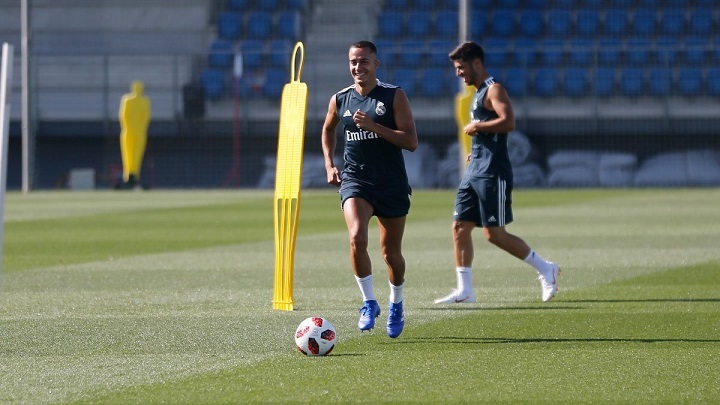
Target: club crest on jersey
{"x":380,"y":109}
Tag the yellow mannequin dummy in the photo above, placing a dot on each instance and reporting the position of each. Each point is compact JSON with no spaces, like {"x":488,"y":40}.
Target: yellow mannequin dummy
{"x":463,"y":99}
{"x":134,"y":120}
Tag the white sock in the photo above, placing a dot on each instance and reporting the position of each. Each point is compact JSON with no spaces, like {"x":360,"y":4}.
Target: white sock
{"x":396,"y":295}
{"x":366,"y":287}
{"x":464,"y":279}
{"x":540,"y":264}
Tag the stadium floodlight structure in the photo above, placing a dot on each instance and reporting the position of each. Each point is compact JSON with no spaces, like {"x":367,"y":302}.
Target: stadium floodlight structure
{"x":5,"y":86}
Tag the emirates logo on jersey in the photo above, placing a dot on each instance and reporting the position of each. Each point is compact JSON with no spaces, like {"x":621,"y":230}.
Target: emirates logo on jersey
{"x":380,"y":109}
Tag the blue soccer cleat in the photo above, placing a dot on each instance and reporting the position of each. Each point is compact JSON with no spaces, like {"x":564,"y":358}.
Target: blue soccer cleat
{"x":396,"y":320}
{"x":369,"y":311}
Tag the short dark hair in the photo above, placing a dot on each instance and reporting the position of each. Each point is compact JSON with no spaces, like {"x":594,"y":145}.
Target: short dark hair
{"x":365,"y":45}
{"x":467,"y":52}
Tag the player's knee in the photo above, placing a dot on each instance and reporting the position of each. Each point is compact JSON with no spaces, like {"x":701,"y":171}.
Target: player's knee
{"x":358,"y":242}
{"x":393,"y":258}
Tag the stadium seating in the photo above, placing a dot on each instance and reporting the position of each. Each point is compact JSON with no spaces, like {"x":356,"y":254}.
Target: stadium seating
{"x":418,"y":24}
{"x":672,"y":22}
{"x":552,"y":51}
{"x":559,"y":23}
{"x":438,"y":50}
{"x":696,"y":49}
{"x":713,"y":81}
{"x":632,"y":81}
{"x":253,"y":52}
{"x":575,"y":82}
{"x":604,"y":81}
{"x":267,"y":5}
{"x":503,"y":22}
{"x":229,"y":25}
{"x":701,"y":21}
{"x":434,"y":82}
{"x":496,"y":52}
{"x":406,"y":79}
{"x":546,"y":82}
{"x":221,"y":54}
{"x":275,"y":80}
{"x":446,"y":24}
{"x":616,"y":22}
{"x":280,"y":50}
{"x":238,"y":5}
{"x":531,"y":23}
{"x":609,"y":51}
{"x":660,"y":81}
{"x":690,"y":81}
{"x":666,"y":51}
{"x":288,"y":25}
{"x":478,"y":26}
{"x":213,"y":82}
{"x":391,"y":24}
{"x":261,"y":24}
{"x":413,"y":51}
{"x":516,"y":81}
{"x":588,"y":23}
{"x":638,"y":51}
{"x":581,"y":52}
{"x":525,"y":52}
{"x":644,"y":22}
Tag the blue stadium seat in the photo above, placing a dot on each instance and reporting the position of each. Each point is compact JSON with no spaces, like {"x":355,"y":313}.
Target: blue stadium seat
{"x":546,"y":82}
{"x":213,"y":82}
{"x":221,"y":54}
{"x":596,"y":4}
{"x":503,"y":22}
{"x":536,"y":4}
{"x":525,"y":52}
{"x":587,"y":23}
{"x":716,"y":50}
{"x":496,"y":52}
{"x":621,"y":3}
{"x":638,"y":51}
{"x":644,"y":22}
{"x":616,"y":22}
{"x":438,"y":50}
{"x":713,"y":81}
{"x":516,"y":82}
{"x":701,"y":21}
{"x":481,"y":4}
{"x":660,"y":81}
{"x":288,"y":25}
{"x":253,"y":52}
{"x":275,"y":80}
{"x":229,"y":25}
{"x":559,"y":23}
{"x":672,"y":21}
{"x":260,"y":26}
{"x":418,"y":23}
{"x":604,"y":81}
{"x":449,"y":5}
{"x":391,"y":24}
{"x":567,"y":3}
{"x":581,"y":51}
{"x":508,"y":3}
{"x":666,"y":50}
{"x":696,"y":50}
{"x":250,"y":85}
{"x":575,"y":82}
{"x":478,"y":25}
{"x":397,"y":5}
{"x":387,"y":51}
{"x":426,"y":5}
{"x":280,"y":52}
{"x":237,"y":5}
{"x":632,"y":81}
{"x":690,"y":81}
{"x":267,"y":5}
{"x":296,"y":5}
{"x":609,"y":51}
{"x":446,"y":24}
{"x":531,"y":23}
{"x":435,"y":82}
{"x":413,"y":52}
{"x":552,"y":51}
{"x":406,"y":79}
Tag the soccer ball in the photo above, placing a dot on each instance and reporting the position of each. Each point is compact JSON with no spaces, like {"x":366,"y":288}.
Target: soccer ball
{"x":315,"y":336}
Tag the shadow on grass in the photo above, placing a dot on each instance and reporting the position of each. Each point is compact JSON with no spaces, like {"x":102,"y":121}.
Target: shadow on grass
{"x":466,"y":307}
{"x":501,"y":340}
{"x":612,"y":300}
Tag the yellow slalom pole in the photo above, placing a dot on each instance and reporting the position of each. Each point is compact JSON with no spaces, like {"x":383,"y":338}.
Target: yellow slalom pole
{"x":288,"y":175}
{"x":463,"y":99}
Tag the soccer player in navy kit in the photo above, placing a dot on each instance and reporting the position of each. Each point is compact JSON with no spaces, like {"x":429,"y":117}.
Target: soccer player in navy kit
{"x":377,"y":125}
{"x":484,"y":194}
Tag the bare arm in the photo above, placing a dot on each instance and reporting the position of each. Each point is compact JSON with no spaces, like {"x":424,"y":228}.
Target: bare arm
{"x":497,"y":100}
{"x":405,"y":136}
{"x":329,"y":142}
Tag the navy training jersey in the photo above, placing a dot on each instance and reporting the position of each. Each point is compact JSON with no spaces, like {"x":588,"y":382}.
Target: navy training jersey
{"x":489,"y":155}
{"x":369,"y":158}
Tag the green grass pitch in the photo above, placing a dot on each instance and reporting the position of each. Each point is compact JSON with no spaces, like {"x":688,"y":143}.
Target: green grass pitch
{"x":165,"y":297}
